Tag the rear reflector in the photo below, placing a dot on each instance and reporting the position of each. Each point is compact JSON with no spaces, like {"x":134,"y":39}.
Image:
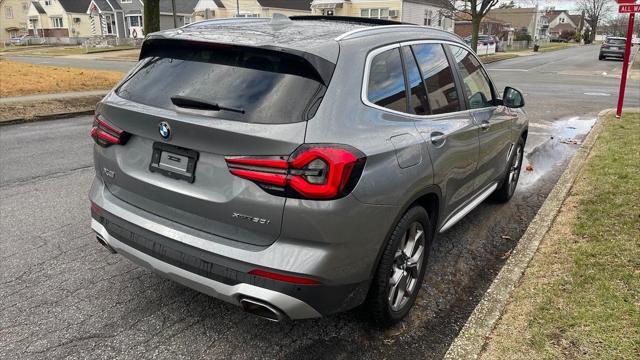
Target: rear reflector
{"x":284,"y":278}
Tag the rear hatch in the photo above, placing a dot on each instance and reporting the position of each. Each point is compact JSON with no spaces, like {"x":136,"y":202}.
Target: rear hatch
{"x":231,"y":100}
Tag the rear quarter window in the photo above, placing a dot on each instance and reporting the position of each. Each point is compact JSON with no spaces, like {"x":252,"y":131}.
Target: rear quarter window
{"x":270,"y":86}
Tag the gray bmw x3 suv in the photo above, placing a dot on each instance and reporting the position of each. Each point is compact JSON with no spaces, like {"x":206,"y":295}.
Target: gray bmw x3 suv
{"x":300,"y":167}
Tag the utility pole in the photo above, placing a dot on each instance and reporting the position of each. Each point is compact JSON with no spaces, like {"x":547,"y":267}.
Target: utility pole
{"x":175,"y":18}
{"x":237,"y":8}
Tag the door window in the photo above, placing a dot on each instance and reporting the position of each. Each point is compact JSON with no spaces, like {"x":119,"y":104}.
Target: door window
{"x":386,"y":85}
{"x":438,"y":78}
{"x":477,"y":86}
{"x":418,"y":103}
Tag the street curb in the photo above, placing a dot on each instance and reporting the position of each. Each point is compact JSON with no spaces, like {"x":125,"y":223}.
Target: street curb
{"x":471,"y":339}
{"x":46,"y":117}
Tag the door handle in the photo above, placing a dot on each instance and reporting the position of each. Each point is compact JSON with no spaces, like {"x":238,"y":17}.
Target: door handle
{"x":485,"y":125}
{"x":438,"y":138}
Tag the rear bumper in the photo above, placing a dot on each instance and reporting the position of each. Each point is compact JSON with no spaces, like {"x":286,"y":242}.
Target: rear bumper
{"x":609,"y":53}
{"x":213,"y":268}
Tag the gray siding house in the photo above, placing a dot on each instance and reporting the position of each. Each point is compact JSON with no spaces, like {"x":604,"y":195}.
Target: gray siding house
{"x":124,"y":18}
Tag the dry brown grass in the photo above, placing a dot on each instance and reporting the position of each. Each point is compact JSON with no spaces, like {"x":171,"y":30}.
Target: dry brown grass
{"x":21,"y":79}
{"x":31,"y":110}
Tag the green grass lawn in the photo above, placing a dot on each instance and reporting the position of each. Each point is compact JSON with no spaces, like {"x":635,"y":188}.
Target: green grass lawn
{"x":555,"y":46}
{"x":580,"y":296}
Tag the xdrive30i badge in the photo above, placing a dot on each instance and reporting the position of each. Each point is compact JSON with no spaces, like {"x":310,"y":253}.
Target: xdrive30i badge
{"x":256,"y":220}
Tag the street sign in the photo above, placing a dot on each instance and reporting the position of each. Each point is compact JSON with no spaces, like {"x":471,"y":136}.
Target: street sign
{"x":625,"y":9}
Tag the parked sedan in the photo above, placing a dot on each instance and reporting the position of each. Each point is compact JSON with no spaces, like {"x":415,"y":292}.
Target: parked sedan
{"x":20,"y":40}
{"x":613,"y":47}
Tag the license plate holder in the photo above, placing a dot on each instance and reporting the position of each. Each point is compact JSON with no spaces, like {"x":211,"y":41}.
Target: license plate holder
{"x":174,"y":162}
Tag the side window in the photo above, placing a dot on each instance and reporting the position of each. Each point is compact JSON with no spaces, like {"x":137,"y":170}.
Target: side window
{"x":442,"y":94}
{"x":386,"y":81}
{"x":418,"y":103}
{"x":476,"y":84}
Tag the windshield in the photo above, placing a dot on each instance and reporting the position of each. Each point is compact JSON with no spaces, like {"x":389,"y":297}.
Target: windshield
{"x":616,"y":41}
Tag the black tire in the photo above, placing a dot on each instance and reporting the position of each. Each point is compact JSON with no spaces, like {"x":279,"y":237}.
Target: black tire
{"x":508,"y":187}
{"x":600,"y":57}
{"x":378,"y":299}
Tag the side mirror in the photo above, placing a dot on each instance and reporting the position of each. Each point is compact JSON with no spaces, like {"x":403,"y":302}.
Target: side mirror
{"x":512,"y":98}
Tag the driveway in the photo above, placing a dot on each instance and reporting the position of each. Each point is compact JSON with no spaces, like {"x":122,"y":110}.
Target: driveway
{"x":63,"y":295}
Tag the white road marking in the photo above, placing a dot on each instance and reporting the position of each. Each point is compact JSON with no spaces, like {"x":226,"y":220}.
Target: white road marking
{"x":597,"y":94}
{"x":520,"y":70}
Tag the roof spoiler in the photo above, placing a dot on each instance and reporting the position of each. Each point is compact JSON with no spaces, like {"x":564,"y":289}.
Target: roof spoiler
{"x":323,"y":67}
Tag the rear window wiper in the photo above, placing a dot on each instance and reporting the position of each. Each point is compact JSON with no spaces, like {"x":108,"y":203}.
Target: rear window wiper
{"x":195,"y":103}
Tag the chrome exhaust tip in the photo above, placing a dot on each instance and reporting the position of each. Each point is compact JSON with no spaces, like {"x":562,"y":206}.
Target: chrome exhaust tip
{"x":104,"y":243}
{"x":262,"y":309}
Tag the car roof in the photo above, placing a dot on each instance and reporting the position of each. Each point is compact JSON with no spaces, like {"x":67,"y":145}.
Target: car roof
{"x":317,"y":35}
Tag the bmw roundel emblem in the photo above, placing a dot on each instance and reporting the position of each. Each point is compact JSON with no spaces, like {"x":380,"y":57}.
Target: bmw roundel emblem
{"x":165,"y":130}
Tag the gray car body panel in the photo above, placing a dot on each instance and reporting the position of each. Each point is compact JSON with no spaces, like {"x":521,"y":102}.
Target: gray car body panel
{"x":338,"y":241}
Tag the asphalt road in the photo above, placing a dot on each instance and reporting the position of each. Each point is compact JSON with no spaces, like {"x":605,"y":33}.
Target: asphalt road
{"x":115,"y":65}
{"x":62,"y":295}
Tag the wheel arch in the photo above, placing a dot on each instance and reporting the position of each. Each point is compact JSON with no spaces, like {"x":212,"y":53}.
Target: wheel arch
{"x":430,"y":198}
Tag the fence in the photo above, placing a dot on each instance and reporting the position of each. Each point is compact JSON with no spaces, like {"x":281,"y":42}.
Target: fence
{"x":95,"y":42}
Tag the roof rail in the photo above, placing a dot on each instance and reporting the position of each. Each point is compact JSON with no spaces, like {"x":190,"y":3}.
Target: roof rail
{"x":348,"y":34}
{"x":223,"y":21}
{"x":347,"y":19}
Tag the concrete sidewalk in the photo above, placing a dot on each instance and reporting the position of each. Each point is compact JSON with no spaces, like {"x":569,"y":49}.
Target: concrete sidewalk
{"x":56,"y":96}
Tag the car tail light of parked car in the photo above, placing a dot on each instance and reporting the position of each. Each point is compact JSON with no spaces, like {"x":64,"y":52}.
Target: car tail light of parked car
{"x":318,"y":171}
{"x":105,"y":134}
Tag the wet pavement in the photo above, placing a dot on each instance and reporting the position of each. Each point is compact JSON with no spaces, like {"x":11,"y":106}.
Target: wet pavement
{"x":62,"y":295}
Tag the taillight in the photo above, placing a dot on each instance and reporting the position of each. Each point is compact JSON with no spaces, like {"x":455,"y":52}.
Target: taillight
{"x":605,"y":46}
{"x":321,"y":171}
{"x":106,"y":134}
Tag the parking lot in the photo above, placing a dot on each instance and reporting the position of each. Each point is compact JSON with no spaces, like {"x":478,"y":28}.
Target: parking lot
{"x":63,"y":295}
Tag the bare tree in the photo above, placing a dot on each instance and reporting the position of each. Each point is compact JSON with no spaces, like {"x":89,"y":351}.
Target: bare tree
{"x":475,"y":9}
{"x":151,"y":16}
{"x":594,"y":12}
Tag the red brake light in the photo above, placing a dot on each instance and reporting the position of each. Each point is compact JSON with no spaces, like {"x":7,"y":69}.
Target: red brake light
{"x":106,"y":134}
{"x":312,"y":171}
{"x":284,"y":278}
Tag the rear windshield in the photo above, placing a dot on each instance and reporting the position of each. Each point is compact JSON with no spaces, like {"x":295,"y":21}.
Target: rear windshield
{"x":271,"y":87}
{"x":616,"y":41}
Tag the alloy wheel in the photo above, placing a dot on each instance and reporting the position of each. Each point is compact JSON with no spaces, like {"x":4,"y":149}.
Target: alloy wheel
{"x":407,"y":263}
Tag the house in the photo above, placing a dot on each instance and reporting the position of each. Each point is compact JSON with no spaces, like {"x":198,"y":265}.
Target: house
{"x":529,"y":21}
{"x":58,"y":19}
{"x":13,"y":17}
{"x":421,"y":12}
{"x":561,"y":20}
{"x":124,"y":18}
{"x":488,"y":26}
{"x":215,"y":9}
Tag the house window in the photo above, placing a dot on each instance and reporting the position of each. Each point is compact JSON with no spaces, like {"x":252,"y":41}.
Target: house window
{"x":135,"y":20}
{"x":562,"y":20}
{"x":56,"y":22}
{"x":428,"y":14}
{"x":110,"y":22}
{"x":125,"y":1}
{"x":48,"y":2}
{"x":25,"y":6}
{"x":188,"y":20}
{"x":382,"y":13}
{"x":8,"y":12}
